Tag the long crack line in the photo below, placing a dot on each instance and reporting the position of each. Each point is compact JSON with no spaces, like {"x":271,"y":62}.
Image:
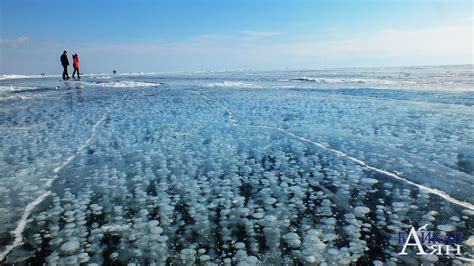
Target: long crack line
{"x":18,"y":231}
{"x":233,"y":119}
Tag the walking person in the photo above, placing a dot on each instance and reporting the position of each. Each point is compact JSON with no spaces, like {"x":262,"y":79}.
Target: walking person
{"x":75,"y":64}
{"x":65,"y":63}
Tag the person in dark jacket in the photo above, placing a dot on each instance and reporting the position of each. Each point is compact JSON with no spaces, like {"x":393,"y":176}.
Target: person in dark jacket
{"x":65,"y":63}
{"x":75,"y":64}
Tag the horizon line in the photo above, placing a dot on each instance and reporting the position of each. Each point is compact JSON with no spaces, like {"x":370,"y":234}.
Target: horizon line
{"x":249,"y":69}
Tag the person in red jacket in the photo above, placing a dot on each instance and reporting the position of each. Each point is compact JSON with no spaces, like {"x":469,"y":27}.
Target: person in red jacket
{"x":75,"y":64}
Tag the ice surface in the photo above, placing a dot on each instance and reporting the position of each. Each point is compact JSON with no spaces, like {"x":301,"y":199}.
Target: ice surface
{"x":119,"y":84}
{"x":233,"y":84}
{"x":4,"y":77}
{"x":178,"y":168}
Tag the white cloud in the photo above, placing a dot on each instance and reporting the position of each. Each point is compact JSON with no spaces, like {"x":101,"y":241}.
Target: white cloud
{"x":14,"y":42}
{"x":436,"y":45}
{"x":442,"y":45}
{"x":425,"y":46}
{"x":427,"y":41}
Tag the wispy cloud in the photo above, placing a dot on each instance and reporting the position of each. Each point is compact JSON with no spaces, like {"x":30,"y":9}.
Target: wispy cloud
{"x":385,"y":47}
{"x":14,"y":42}
{"x":435,"y":45}
{"x":254,"y":33}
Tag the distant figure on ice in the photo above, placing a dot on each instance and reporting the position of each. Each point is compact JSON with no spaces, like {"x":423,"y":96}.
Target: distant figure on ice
{"x":65,"y":63}
{"x":115,"y":72}
{"x":75,"y":64}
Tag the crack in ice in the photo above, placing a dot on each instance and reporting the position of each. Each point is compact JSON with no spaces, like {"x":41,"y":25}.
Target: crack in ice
{"x":232,"y":118}
{"x":18,"y":231}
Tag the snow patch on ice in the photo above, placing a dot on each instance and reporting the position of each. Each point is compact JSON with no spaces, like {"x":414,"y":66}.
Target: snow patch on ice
{"x":14,"y":76}
{"x":339,"y":80}
{"x":12,"y":88}
{"x":7,"y":88}
{"x":101,"y":77}
{"x":307,"y":79}
{"x":232,"y":84}
{"x":122,"y":84}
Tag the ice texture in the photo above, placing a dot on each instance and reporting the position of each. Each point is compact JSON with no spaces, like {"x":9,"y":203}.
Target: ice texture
{"x":244,"y":167}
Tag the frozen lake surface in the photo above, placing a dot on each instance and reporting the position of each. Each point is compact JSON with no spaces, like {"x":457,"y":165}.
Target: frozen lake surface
{"x":249,"y":168}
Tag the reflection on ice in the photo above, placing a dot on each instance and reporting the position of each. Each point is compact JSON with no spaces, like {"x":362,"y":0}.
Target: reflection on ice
{"x":188,"y":173}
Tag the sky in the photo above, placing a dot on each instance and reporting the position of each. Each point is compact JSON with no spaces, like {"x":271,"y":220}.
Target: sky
{"x":182,"y":35}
